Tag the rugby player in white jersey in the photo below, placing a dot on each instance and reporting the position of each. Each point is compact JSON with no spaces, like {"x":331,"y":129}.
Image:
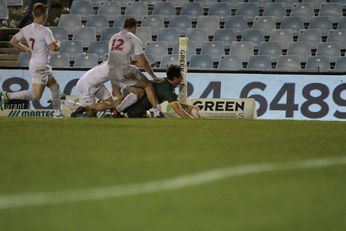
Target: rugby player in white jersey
{"x":118,"y":69}
{"x":122,"y":46}
{"x":40,"y":41}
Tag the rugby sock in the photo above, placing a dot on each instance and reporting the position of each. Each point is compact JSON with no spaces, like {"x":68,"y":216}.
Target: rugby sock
{"x":127,"y":102}
{"x":70,"y":104}
{"x":24,"y":95}
{"x":56,"y":100}
{"x":157,"y":110}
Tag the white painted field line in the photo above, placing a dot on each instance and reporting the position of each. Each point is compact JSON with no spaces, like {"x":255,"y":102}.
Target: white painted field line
{"x":46,"y":198}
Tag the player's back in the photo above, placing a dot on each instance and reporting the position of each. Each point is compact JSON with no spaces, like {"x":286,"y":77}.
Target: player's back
{"x":38,"y":38}
{"x":122,"y":46}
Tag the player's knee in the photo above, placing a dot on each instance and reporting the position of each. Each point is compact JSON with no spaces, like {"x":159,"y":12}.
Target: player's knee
{"x":36,"y":96}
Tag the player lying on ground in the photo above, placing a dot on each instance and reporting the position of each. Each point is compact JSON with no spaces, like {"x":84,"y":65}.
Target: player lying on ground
{"x":165,"y":91}
{"x":41,"y":41}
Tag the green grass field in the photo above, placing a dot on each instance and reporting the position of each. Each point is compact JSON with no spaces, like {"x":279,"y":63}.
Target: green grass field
{"x":54,"y":156}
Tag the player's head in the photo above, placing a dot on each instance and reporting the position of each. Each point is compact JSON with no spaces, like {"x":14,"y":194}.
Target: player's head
{"x":174,"y":74}
{"x":130,"y":24}
{"x":40,"y":12}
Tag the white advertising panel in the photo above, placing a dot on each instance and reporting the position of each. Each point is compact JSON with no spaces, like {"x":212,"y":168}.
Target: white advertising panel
{"x":277,"y":96}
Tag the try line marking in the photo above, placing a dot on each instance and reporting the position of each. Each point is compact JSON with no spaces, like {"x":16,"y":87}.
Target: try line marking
{"x":47,"y":198}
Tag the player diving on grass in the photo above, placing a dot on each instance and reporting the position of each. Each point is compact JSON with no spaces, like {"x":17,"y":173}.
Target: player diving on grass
{"x":123,"y":75}
{"x":165,"y":91}
{"x":40,"y":40}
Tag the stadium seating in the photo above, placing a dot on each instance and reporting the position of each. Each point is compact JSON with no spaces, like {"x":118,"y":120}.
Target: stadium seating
{"x":254,"y":36}
{"x":109,"y":9}
{"x":97,"y":21}
{"x":339,"y":37}
{"x":331,"y":10}
{"x":89,"y":60}
{"x":182,"y":22}
{"x":166,"y":9}
{"x":71,"y":22}
{"x":85,"y":34}
{"x":230,"y":63}
{"x":274,"y":9}
{"x":100,"y":48}
{"x":14,"y":2}
{"x":59,"y":33}
{"x":271,"y":49}
{"x":72,"y":48}
{"x":119,"y":21}
{"x":301,"y":49}
{"x":259,"y":62}
{"x":108,"y":32}
{"x":293,"y":23}
{"x":312,"y":30}
{"x":201,"y":62}
{"x":329,"y":49}
{"x":192,"y":10}
{"x":317,"y":63}
{"x":155,"y":22}
{"x":311,"y":36}
{"x":82,"y":8}
{"x":340,"y":64}
{"x":288,"y":63}
{"x":156,"y":50}
{"x":144,"y":34}
{"x":302,"y":10}
{"x":342,"y":23}
{"x":191,"y":47}
{"x":247,"y":9}
{"x":213,"y":49}
{"x":322,"y":23}
{"x":220,"y":9}
{"x":168,"y":60}
{"x":264,"y":23}
{"x":243,"y":49}
{"x":137,"y":9}
{"x":225,"y":35}
{"x":206,"y":3}
{"x":198,"y":35}
{"x":210,"y":23}
{"x":60,"y":60}
{"x":315,"y":4}
{"x":3,"y":11}
{"x":169,"y":35}
{"x":236,"y":23}
{"x":23,"y":59}
{"x":283,"y":36}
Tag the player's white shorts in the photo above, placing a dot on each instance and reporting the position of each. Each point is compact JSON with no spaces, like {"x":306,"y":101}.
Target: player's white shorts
{"x":40,"y":73}
{"x":127,"y":76}
{"x":87,"y":93}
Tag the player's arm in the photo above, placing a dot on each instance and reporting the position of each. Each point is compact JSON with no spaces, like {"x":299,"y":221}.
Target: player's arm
{"x":143,"y":62}
{"x":117,"y":92}
{"x":180,"y":110}
{"x":54,"y":46}
{"x":19,"y":45}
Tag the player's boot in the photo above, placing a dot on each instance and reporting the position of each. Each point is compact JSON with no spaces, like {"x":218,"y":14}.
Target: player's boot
{"x":3,"y":99}
{"x":78,"y":112}
{"x":58,"y":115}
{"x":114,"y":113}
{"x":157,"y":113}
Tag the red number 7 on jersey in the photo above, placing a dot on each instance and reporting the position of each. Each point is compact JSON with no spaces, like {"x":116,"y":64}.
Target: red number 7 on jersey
{"x":32,"y":40}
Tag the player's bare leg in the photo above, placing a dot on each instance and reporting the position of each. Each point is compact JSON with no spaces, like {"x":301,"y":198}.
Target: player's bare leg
{"x":145,"y":84}
{"x":134,"y":95}
{"x":53,"y":86}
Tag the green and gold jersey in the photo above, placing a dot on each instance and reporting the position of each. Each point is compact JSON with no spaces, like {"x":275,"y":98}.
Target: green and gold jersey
{"x":164,"y":91}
